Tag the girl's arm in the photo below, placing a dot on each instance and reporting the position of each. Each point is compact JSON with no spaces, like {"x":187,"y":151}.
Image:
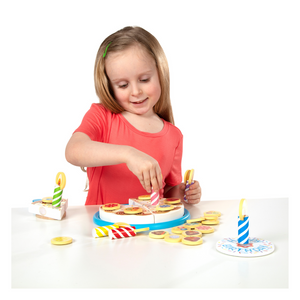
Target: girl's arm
{"x":177,"y":191}
{"x":82,"y":151}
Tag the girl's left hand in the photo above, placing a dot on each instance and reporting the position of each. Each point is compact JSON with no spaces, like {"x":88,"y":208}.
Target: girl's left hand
{"x":194,"y":193}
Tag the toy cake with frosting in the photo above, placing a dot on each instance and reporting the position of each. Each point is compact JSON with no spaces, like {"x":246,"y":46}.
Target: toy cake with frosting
{"x":140,"y":211}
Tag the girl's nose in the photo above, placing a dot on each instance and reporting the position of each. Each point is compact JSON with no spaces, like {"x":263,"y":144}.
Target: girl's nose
{"x":136,"y":90}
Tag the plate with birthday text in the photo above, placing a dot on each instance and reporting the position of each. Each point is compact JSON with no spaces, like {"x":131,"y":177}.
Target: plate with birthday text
{"x":255,"y":247}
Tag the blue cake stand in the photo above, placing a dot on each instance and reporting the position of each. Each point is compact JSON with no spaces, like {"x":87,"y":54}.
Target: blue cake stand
{"x":153,"y":226}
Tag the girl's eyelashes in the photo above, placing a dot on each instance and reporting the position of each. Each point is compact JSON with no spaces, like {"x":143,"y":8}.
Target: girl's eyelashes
{"x":123,"y":86}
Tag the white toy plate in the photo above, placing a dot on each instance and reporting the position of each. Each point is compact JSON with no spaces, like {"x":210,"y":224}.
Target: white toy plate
{"x":256,"y":247}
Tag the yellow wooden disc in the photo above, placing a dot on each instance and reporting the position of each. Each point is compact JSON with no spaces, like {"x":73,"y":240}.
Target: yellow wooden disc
{"x":158,"y":234}
{"x":111,"y":206}
{"x":241,"y":206}
{"x":212,"y":213}
{"x":172,"y":200}
{"x":144,"y":197}
{"x":191,"y":225}
{"x":61,"y":180}
{"x":133,"y":210}
{"x":164,"y":207}
{"x":211,"y":218}
{"x":122,"y":224}
{"x":195,"y":220}
{"x":47,"y":200}
{"x":173,"y":238}
{"x":192,"y":240}
{"x":192,"y":233}
{"x":210,"y":222}
{"x":205,"y":229}
{"x":61,"y":240}
{"x":179,"y":229}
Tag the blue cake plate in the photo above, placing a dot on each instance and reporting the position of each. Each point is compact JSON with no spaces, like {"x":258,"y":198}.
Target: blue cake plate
{"x":153,"y":226}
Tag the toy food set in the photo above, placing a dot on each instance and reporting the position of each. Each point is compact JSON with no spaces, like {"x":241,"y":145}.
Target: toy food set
{"x":52,"y":207}
{"x":243,"y":245}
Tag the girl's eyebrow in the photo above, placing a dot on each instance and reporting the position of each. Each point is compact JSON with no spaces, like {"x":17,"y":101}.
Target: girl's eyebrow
{"x":121,"y":79}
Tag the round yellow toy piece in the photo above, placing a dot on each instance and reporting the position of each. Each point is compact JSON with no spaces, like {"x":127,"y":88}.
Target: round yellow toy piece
{"x":61,"y":180}
{"x":195,"y":220}
{"x":144,"y":197}
{"x":172,"y":201}
{"x":164,"y":207}
{"x":173,"y":238}
{"x":133,"y":210}
{"x":212,"y":213}
{"x":62,"y":240}
{"x":111,"y":206}
{"x":191,"y":226}
{"x":192,"y":233}
{"x":158,"y":234}
{"x":192,"y":240}
{"x":122,"y":224}
{"x":210,"y":222}
{"x":179,"y":229}
{"x":205,"y":229}
{"x":47,"y":200}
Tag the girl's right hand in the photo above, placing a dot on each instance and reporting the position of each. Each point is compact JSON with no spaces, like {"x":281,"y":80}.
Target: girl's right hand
{"x":146,"y":169}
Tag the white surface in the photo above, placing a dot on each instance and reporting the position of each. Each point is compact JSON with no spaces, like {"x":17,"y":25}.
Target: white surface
{"x":141,"y":262}
{"x":234,"y":89}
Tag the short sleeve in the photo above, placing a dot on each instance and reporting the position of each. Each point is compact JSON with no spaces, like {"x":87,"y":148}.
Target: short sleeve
{"x":94,"y":123}
{"x":175,"y":175}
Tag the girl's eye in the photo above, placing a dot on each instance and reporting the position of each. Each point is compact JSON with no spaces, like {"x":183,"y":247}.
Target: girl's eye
{"x":145,"y":80}
{"x":123,"y":86}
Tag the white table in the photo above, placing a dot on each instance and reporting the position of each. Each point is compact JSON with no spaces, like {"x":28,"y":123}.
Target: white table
{"x":141,"y":262}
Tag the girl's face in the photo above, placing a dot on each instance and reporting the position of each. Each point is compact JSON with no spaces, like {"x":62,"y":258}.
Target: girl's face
{"x":134,"y":79}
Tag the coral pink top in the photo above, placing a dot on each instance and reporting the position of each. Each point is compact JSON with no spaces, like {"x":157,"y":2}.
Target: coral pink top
{"x":117,"y":183}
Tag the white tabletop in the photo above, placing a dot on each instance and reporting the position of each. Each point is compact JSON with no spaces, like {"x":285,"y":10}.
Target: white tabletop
{"x":141,"y":262}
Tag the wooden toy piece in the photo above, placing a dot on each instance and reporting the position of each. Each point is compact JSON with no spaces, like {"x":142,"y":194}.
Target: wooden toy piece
{"x":210,"y":222}
{"x":192,"y":225}
{"x":133,"y":210}
{"x":62,"y":240}
{"x":144,"y":197}
{"x":205,"y":229}
{"x":124,"y":232}
{"x":211,"y":218}
{"x":122,"y":224}
{"x":154,"y":197}
{"x":196,"y":220}
{"x":188,"y":181}
{"x":158,"y":234}
{"x":102,"y":230}
{"x":164,"y":207}
{"x":192,"y":240}
{"x":111,"y":206}
{"x":173,"y":238}
{"x":212,"y":213}
{"x":172,"y":200}
{"x":61,"y":180}
{"x":192,"y":233}
{"x":47,"y":200}
{"x":179,"y":229}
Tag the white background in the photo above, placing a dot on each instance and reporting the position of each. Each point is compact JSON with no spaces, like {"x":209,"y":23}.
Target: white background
{"x":234,"y":69}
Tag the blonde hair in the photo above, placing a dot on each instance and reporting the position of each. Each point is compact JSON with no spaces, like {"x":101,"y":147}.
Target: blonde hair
{"x":119,"y":41}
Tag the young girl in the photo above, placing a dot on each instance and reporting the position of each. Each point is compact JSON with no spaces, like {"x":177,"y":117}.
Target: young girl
{"x":128,"y":142}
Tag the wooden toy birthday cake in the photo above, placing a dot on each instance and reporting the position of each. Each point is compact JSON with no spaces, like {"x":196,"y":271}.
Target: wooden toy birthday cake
{"x":140,"y":211}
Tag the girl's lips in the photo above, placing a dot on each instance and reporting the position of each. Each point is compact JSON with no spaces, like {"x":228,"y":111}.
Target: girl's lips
{"x":140,"y":102}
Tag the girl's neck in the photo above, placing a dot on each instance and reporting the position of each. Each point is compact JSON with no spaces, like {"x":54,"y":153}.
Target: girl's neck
{"x":150,"y":123}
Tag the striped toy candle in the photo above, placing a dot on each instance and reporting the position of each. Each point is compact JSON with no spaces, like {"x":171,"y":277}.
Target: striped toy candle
{"x":243,"y":230}
{"x":243,"y":224}
{"x":103,"y":230}
{"x":187,"y":187}
{"x":154,"y":198}
{"x":57,"y":196}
